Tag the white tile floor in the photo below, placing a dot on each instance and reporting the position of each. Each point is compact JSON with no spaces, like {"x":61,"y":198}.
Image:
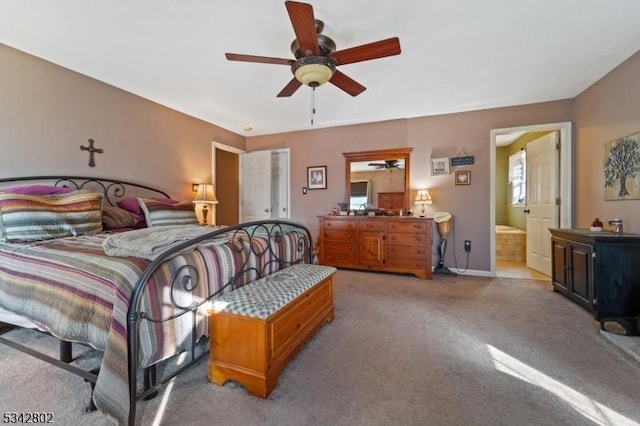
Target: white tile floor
{"x":507,"y":269}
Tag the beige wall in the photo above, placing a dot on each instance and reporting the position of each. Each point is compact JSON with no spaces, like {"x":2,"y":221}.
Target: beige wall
{"x":430,"y":137}
{"x":606,"y":111}
{"x":47,"y":112}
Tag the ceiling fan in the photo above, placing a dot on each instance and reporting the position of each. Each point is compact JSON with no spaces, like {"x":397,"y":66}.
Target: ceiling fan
{"x":315,"y":54}
{"x":388,"y":165}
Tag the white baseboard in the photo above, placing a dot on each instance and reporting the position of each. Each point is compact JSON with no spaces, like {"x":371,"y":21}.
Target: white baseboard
{"x":471,"y":272}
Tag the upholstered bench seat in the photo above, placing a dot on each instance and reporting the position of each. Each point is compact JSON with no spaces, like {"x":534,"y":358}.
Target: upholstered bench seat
{"x":257,"y":329}
{"x":263,"y":297}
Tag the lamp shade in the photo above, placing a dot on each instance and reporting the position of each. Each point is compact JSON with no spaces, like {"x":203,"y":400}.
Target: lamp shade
{"x":423,"y":197}
{"x":205,"y":194}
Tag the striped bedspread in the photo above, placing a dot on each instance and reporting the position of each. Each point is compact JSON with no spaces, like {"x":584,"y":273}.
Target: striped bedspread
{"x":72,"y":289}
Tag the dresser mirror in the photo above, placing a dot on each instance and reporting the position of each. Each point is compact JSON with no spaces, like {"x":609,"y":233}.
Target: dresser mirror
{"x":378,"y":180}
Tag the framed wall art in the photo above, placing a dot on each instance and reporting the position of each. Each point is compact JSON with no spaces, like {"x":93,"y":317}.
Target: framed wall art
{"x":440,"y":166}
{"x":317,"y":177}
{"x":463,"y":177}
{"x":622,"y":168}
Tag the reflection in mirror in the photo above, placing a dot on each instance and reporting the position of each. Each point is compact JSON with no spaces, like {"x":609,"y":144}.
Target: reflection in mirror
{"x":378,"y":180}
{"x":360,"y":193}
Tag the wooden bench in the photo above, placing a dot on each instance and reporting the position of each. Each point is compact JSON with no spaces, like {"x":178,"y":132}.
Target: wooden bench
{"x":256,"y":330}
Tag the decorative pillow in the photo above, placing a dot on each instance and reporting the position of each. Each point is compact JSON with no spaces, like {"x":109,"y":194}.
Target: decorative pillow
{"x":40,"y":217}
{"x":117,"y":218}
{"x":39,"y":190}
{"x":161,"y":213}
{"x":132,"y":205}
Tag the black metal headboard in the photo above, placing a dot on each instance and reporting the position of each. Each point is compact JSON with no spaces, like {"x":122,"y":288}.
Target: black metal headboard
{"x":113,"y":189}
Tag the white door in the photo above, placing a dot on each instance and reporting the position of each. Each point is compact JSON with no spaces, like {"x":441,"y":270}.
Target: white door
{"x":542,"y":169}
{"x":255,"y":186}
{"x":280,"y":184}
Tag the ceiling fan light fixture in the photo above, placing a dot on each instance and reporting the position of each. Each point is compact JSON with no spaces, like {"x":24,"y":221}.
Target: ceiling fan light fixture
{"x":313,"y":71}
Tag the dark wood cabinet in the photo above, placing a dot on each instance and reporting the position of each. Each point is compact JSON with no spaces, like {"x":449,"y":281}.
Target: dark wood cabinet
{"x":597,"y":270}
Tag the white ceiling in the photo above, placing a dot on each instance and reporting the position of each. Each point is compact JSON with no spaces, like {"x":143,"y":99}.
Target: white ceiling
{"x":457,"y":55}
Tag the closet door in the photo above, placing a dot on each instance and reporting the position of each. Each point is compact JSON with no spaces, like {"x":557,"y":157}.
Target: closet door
{"x":255,"y":186}
{"x":264,"y":185}
{"x":280,"y":184}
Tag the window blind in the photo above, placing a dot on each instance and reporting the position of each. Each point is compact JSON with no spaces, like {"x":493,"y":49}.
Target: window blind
{"x":359,"y":189}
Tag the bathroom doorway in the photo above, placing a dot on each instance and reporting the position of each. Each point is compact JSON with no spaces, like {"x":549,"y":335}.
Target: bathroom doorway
{"x":520,"y":245}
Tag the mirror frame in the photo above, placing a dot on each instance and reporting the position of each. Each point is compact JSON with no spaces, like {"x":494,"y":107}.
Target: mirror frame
{"x":379,"y":155}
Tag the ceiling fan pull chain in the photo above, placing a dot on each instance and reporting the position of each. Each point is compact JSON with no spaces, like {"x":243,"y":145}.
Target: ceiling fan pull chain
{"x":313,"y":103}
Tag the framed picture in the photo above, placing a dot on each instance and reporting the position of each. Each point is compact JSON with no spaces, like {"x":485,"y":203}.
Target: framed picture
{"x":317,"y":177}
{"x":463,"y":177}
{"x":440,"y":166}
{"x":621,"y":165}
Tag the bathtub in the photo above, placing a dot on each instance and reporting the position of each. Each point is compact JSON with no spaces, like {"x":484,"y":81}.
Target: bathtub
{"x":511,"y":244}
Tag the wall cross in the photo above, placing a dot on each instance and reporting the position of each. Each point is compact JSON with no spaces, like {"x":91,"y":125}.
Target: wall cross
{"x":91,"y":150}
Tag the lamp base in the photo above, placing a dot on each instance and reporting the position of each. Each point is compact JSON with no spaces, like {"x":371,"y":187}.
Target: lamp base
{"x":443,"y":270}
{"x":205,"y":213}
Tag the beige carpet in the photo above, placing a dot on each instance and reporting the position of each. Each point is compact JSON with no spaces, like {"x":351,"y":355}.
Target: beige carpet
{"x":401,"y":351}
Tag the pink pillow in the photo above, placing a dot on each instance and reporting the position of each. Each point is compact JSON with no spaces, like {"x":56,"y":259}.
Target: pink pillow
{"x":39,"y":190}
{"x":132,"y":205}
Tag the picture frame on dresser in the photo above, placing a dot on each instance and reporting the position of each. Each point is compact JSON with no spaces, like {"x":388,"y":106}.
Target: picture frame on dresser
{"x":317,"y":177}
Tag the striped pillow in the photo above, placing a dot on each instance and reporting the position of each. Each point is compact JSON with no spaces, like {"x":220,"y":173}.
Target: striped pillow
{"x":25,"y":217}
{"x":162,"y":213}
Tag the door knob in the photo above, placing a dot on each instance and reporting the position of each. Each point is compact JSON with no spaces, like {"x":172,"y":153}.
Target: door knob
{"x":527,"y":211}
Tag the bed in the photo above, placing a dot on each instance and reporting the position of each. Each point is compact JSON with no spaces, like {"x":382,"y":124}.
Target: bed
{"x":138,"y":293}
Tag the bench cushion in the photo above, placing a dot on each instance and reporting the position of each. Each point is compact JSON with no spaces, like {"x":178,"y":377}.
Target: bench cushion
{"x":263,"y":297}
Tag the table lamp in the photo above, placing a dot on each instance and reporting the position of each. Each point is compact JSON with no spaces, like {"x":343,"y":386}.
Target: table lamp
{"x":206,"y":197}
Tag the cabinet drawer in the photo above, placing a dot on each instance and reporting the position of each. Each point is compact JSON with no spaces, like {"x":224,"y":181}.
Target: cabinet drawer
{"x":339,"y":246}
{"x":339,"y":259}
{"x":411,"y":252}
{"x":407,"y":226}
{"x":293,"y":320}
{"x":407,"y":239}
{"x":333,"y":234}
{"x":406,"y":263}
{"x":371,"y":225}
{"x":340,"y":224}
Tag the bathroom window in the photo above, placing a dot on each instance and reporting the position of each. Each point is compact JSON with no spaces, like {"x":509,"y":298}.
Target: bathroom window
{"x":518,"y":177}
{"x":360,"y":194}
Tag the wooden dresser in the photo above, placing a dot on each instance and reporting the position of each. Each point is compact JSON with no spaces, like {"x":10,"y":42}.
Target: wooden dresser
{"x":380,"y":243}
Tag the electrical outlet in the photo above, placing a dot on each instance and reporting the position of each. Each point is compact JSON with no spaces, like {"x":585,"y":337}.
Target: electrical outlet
{"x":467,"y":246}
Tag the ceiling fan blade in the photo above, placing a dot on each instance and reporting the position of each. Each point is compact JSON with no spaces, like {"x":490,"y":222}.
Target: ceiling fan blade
{"x":347,"y":84}
{"x":304,"y":25}
{"x":259,"y":59}
{"x":290,"y":88}
{"x":366,"y":52}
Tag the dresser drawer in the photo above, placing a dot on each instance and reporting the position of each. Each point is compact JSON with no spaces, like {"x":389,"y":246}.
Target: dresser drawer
{"x":340,"y":224}
{"x":294,"y":318}
{"x":410,"y":252}
{"x":407,"y":239}
{"x":404,"y":263}
{"x":337,"y":234}
{"x":406,"y":226}
{"x":339,"y":259}
{"x":338,"y":246}
{"x":371,"y":225}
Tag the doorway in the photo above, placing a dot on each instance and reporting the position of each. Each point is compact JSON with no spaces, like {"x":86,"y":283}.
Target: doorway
{"x":226,"y":181}
{"x":561,"y":216}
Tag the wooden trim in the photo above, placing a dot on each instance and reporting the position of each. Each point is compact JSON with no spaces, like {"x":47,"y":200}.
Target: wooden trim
{"x":381,"y":154}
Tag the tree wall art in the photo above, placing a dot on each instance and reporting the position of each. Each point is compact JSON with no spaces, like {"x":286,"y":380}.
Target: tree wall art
{"x":622,"y":168}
